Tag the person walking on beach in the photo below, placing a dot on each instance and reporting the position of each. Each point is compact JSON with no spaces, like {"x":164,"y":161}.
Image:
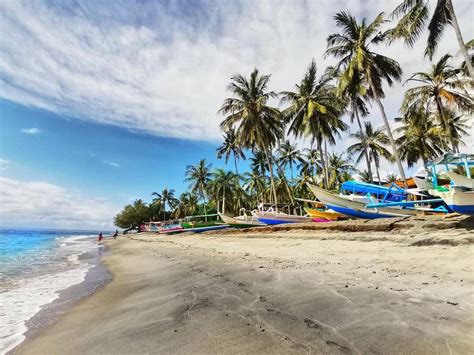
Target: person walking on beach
{"x":116,"y":234}
{"x":100,"y":237}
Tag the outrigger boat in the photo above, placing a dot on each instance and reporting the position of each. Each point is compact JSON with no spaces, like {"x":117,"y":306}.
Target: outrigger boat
{"x":242,"y":221}
{"x":329,"y":214}
{"x":459,"y":195}
{"x":273,"y":216}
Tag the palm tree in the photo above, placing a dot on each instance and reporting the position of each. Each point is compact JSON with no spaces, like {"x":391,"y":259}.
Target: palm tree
{"x":258,"y":126}
{"x":258,"y":162}
{"x":199,"y":176}
{"x":365,"y":176}
{"x":230,"y":146}
{"x":357,"y":60}
{"x":255,"y":184}
{"x":438,"y":92}
{"x":392,"y":177}
{"x":314,"y":110}
{"x":372,"y":141}
{"x":414,"y":18}
{"x":355,"y":94}
{"x":419,"y":137}
{"x":224,"y":184}
{"x":310,"y":163}
{"x":186,"y":205}
{"x":288,"y":155}
{"x":165,"y":197}
{"x":339,"y":169}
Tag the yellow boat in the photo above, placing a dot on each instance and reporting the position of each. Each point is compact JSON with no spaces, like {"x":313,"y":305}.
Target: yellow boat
{"x":329,"y":215}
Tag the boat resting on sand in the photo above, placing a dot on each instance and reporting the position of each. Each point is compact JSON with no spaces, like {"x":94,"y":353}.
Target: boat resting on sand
{"x":460,"y":180}
{"x":243,"y":221}
{"x":327,"y":214}
{"x":458,"y":199}
{"x":356,"y":208}
{"x":273,"y":218}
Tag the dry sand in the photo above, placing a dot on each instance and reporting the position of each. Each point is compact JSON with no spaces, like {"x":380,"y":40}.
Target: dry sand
{"x":277,"y":293}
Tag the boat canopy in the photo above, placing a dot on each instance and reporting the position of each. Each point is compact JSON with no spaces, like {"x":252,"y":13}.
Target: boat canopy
{"x":454,"y":158}
{"x":391,"y":193}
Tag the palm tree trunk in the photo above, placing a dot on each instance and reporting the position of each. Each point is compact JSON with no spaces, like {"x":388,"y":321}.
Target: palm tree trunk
{"x":323,"y":164}
{"x":270,"y":170}
{"x":377,"y":170}
{"x":326,"y":160}
{"x":462,"y":45}
{"x":223,"y":203}
{"x":362,"y":134}
{"x":235,"y":163}
{"x":446,"y":125}
{"x":389,"y":132}
{"x":291,"y":169}
{"x":164,"y":212}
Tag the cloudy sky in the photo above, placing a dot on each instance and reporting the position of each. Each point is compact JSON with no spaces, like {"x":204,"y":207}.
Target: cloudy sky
{"x":103,"y":102}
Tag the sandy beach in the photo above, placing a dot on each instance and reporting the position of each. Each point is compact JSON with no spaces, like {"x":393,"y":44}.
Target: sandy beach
{"x":271,"y":292}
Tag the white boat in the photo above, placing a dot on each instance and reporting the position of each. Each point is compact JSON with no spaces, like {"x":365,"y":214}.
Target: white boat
{"x":458,"y":199}
{"x":356,"y":207}
{"x":274,"y":217}
{"x":241,"y":221}
{"x":460,"y":180}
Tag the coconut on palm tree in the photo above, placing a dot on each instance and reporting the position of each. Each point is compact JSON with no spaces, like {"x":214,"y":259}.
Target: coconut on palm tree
{"x":257,"y":125}
{"x":199,"y":176}
{"x":440,"y":91}
{"x":314,"y":110}
{"x":420,"y":137}
{"x":230,"y":146}
{"x":353,"y":46}
{"x":414,"y":16}
{"x":372,"y":141}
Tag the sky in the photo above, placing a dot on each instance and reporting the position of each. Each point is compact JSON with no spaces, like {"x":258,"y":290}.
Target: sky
{"x":103,"y":102}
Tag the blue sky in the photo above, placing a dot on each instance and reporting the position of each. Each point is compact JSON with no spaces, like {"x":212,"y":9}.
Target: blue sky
{"x":102,"y":102}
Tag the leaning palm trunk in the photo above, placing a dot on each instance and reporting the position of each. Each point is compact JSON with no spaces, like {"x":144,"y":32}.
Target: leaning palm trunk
{"x":462,"y":45}
{"x":377,"y":169}
{"x":389,"y":132}
{"x":235,"y":163}
{"x":270,"y":170}
{"x":362,"y":134}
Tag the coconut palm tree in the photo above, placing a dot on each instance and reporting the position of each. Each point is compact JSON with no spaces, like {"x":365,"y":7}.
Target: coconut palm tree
{"x":355,"y":94}
{"x":413,"y":18}
{"x":372,"y":141}
{"x":339,"y":170}
{"x":186,"y":205}
{"x":258,"y":162}
{"x":353,"y":46}
{"x":365,"y":176}
{"x":289,"y":154}
{"x":230,"y":146}
{"x":310,"y":163}
{"x":438,"y":91}
{"x":198,"y":176}
{"x":224,"y":184}
{"x":420,"y":137}
{"x":314,"y":110}
{"x":255,"y":184}
{"x":165,"y":197}
{"x":258,"y":126}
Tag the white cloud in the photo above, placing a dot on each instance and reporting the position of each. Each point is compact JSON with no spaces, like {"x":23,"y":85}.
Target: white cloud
{"x":31,"y":131}
{"x":40,"y":204}
{"x":163,"y":69}
{"x":4,"y":164}
{"x":111,"y":163}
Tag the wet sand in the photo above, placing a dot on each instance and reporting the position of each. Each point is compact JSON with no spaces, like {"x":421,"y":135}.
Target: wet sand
{"x":277,"y":293}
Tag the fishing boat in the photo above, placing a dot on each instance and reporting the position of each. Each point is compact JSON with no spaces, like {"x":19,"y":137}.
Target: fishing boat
{"x":354,"y":207}
{"x":329,"y":215}
{"x":242,"y":221}
{"x":459,"y":195}
{"x":205,"y":228}
{"x":274,"y":217}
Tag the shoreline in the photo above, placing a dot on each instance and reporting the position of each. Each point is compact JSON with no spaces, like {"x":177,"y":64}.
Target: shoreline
{"x":95,"y":278}
{"x":287,"y":293}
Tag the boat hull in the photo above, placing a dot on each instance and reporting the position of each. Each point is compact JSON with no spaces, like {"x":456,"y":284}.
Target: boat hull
{"x":241,"y":221}
{"x":458,"y":200}
{"x":356,"y":208}
{"x":271,"y":218}
{"x":331,"y":216}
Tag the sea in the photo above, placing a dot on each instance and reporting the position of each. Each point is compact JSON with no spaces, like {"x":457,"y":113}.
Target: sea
{"x":43,"y":272}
